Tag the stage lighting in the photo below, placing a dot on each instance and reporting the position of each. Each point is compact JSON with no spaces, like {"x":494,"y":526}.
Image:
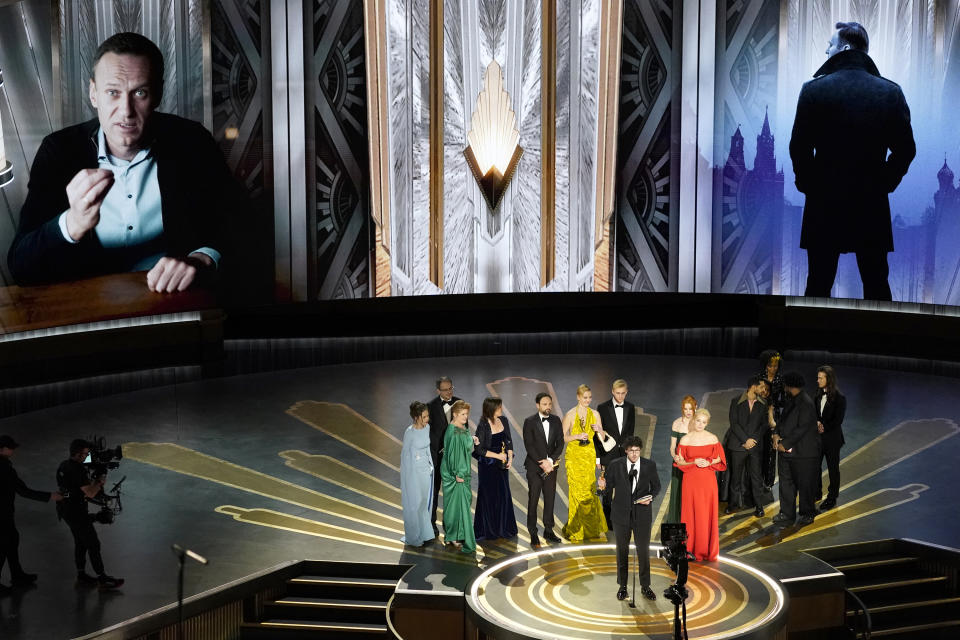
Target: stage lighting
{"x":493,"y":149}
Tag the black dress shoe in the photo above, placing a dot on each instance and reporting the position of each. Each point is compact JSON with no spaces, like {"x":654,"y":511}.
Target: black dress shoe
{"x":731,"y":508}
{"x":24,"y":579}
{"x":85,"y":578}
{"x":535,"y":542}
{"x":782,"y":520}
{"x":550,"y":536}
{"x":648,"y":593}
{"x":758,"y":512}
{"x":803,"y":521}
{"x":622,"y":592}
{"x":105,"y":582}
{"x":827,"y":504}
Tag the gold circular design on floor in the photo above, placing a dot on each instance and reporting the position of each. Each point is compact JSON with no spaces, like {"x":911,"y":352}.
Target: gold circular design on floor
{"x":568,"y":592}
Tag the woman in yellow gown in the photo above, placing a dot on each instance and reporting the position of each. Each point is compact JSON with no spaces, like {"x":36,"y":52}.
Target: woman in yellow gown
{"x":585,"y":519}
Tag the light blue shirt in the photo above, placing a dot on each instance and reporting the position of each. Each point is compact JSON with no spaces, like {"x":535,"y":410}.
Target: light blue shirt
{"x":131,"y":214}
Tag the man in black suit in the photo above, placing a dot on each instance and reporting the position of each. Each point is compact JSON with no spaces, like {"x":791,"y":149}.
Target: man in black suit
{"x":439,"y":409}
{"x":798,"y":442}
{"x":748,"y":425}
{"x":634,"y":483}
{"x":852,"y":143}
{"x":543,"y":440}
{"x":133,"y":189}
{"x":10,"y":485}
{"x":618,"y":418}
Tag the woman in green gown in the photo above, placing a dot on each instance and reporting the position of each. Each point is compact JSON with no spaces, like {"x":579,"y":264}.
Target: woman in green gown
{"x":585,"y":518}
{"x":455,"y":478}
{"x":688,"y":406}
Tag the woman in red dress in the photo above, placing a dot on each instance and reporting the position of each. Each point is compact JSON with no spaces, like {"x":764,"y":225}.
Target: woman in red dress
{"x":702,"y":456}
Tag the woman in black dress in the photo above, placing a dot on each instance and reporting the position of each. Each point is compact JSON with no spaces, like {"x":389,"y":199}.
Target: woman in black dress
{"x":494,"y":517}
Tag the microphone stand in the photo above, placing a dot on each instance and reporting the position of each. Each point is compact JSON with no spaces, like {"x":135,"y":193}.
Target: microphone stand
{"x":182,"y":555}
{"x":633,"y":591}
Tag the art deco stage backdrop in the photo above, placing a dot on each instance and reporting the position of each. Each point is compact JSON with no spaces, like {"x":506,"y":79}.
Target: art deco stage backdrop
{"x":558,"y":60}
{"x":702,"y":191}
{"x":654,"y":136}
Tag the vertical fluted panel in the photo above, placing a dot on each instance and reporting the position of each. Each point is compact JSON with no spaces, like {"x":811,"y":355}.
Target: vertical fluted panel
{"x":459,"y":255}
{"x":526,"y":181}
{"x":418,"y":13}
{"x":568,"y":43}
{"x":587,"y":145}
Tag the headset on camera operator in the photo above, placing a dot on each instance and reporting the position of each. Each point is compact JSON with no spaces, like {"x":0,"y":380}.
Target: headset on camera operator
{"x":80,"y":483}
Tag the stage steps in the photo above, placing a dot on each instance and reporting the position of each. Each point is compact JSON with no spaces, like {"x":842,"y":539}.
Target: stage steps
{"x":330,"y":600}
{"x":909,"y":588}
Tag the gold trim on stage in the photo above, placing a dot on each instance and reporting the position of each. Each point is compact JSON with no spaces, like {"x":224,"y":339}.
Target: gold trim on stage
{"x":563,"y":593}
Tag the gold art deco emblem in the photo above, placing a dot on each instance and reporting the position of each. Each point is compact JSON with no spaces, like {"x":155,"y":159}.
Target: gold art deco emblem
{"x":493,"y":148}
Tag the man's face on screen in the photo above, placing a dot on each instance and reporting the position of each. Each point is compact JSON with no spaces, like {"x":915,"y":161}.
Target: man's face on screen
{"x":122,"y":93}
{"x":836,"y":45}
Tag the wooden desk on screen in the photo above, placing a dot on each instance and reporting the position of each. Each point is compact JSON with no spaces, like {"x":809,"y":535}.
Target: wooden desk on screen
{"x":121,"y":295}
{"x":104,"y":325}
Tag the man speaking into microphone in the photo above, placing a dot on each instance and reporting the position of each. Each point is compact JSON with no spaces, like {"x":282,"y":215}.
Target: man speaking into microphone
{"x":634,"y":483}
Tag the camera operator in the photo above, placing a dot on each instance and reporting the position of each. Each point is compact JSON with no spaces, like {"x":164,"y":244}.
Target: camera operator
{"x":10,"y":485}
{"x":78,"y":488}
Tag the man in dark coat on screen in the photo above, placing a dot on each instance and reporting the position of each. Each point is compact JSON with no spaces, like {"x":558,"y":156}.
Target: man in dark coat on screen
{"x":851,"y":145}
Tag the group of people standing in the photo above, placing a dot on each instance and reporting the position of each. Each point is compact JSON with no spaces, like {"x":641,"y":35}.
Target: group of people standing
{"x":437,"y":451}
{"x":777,"y":428}
{"x":774,"y":425}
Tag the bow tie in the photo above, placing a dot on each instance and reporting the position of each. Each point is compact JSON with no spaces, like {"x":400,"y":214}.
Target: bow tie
{"x":448,"y":403}
{"x":618,"y":406}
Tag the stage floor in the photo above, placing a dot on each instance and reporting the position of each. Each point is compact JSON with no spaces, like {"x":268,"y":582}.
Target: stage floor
{"x":256,"y":470}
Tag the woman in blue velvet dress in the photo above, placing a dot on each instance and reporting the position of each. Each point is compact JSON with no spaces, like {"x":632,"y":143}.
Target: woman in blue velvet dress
{"x":416,"y":478}
{"x":494,"y":517}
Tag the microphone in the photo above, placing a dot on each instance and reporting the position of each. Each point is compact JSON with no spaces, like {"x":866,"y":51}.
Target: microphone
{"x":180,"y":551}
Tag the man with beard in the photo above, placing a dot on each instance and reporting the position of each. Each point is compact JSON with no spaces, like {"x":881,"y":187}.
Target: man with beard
{"x":543,"y":440}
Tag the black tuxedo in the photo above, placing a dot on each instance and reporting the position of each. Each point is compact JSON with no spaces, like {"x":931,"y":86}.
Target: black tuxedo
{"x":745,"y":424}
{"x":799,"y":466}
{"x":197,"y":192}
{"x":608,"y":419}
{"x":540,"y":447}
{"x":438,"y":428}
{"x":629,"y":518}
{"x":832,"y":437}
